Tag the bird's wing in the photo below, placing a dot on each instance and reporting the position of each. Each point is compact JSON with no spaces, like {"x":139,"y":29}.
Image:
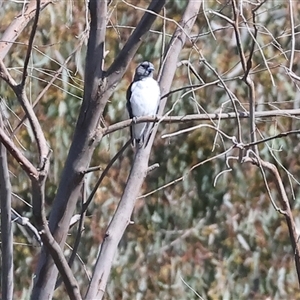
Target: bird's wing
{"x":158,"y":98}
{"x":128,"y":104}
{"x":129,"y":108}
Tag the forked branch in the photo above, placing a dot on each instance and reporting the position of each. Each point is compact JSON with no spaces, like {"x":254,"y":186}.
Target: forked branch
{"x":285,"y":209}
{"x":121,"y":218}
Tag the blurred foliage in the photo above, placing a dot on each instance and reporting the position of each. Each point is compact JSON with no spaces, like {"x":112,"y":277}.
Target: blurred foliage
{"x":214,"y":233}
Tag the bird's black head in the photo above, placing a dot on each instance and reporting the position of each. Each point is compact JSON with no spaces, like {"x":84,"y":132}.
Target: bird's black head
{"x":143,"y":70}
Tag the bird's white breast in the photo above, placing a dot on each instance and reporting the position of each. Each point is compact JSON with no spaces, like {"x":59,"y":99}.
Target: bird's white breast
{"x":145,"y":96}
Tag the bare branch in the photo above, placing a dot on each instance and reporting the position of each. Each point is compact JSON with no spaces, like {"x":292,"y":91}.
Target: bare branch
{"x":38,"y":186}
{"x":50,"y":245}
{"x":98,"y":89}
{"x":24,"y":163}
{"x":85,"y":204}
{"x":118,"y":67}
{"x":202,"y":117}
{"x":23,"y":221}
{"x":36,"y":128}
{"x":62,"y":264}
{"x":38,"y":177}
{"x":31,"y":39}
{"x":43,"y":92}
{"x":17,"y":25}
{"x":104,"y":173}
{"x":293,"y":38}
{"x":33,"y":120}
{"x":286,"y":211}
{"x":138,"y":172}
{"x":279,"y":135}
{"x":4,"y":74}
{"x":235,"y":25}
{"x":7,"y":272}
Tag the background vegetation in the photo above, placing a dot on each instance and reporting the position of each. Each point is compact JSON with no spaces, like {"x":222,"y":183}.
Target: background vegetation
{"x":204,"y":225}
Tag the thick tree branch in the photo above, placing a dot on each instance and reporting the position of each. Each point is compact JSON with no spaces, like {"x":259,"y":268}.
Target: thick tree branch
{"x":7,"y":272}
{"x":85,"y":204}
{"x":50,"y":245}
{"x":80,"y":151}
{"x":121,"y":218}
{"x":134,"y":41}
{"x":38,"y":177}
{"x":98,"y":88}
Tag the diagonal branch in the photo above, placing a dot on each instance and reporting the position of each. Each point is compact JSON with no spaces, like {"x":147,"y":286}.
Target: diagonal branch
{"x":121,"y":218}
{"x":104,"y":173}
{"x":286,"y":210}
{"x":30,"y":43}
{"x":33,"y":120}
{"x":24,"y":163}
{"x":46,"y":88}
{"x":98,"y":88}
{"x":23,"y":221}
{"x":61,"y":263}
{"x":17,"y":26}
{"x":37,"y":176}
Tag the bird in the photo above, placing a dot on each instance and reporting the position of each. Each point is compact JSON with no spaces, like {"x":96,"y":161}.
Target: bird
{"x":143,"y":96}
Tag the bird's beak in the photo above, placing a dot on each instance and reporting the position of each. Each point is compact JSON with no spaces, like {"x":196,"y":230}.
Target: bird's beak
{"x":150,"y":69}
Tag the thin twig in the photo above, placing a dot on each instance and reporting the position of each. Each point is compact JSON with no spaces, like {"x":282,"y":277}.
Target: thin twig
{"x":279,"y":135}
{"x":286,"y":209}
{"x":30,"y":43}
{"x":33,"y":120}
{"x":78,"y":234}
{"x":186,"y":173}
{"x":23,"y":221}
{"x":293,"y":40}
{"x":49,"y":84}
{"x":103,"y":174}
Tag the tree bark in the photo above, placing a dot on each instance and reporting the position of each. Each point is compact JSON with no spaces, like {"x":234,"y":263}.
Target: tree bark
{"x":138,"y":172}
{"x":7,"y":273}
{"x":98,"y":88}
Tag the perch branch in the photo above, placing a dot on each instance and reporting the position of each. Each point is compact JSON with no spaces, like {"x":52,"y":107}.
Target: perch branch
{"x":121,"y":218}
{"x":202,"y":117}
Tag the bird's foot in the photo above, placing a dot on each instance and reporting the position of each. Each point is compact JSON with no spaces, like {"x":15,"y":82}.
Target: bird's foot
{"x":134,"y":120}
{"x":140,"y":143}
